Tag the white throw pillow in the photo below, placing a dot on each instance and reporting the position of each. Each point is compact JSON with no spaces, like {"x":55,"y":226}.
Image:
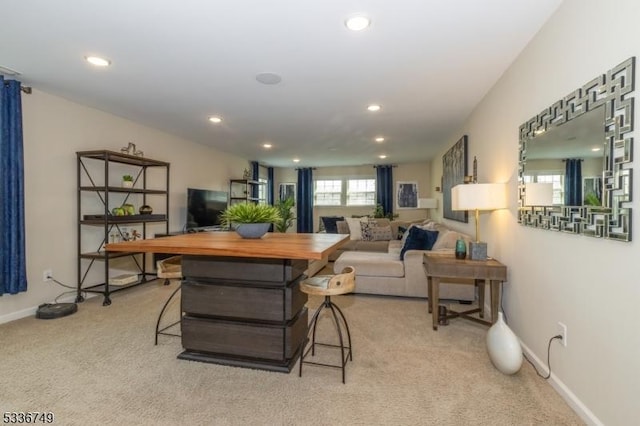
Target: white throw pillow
{"x":355,"y":230}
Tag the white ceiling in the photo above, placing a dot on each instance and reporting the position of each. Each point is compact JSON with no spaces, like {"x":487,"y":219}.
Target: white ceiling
{"x":175,"y":63}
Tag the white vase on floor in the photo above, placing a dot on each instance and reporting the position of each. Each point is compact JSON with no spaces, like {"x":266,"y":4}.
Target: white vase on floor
{"x":503,"y":347}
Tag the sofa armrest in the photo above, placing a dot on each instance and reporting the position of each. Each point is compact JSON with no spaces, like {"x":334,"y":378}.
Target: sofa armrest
{"x":416,"y":279}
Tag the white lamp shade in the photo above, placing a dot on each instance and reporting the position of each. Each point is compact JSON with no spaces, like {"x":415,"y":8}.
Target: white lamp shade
{"x":479,"y":196}
{"x":427,"y":203}
{"x":538,"y":194}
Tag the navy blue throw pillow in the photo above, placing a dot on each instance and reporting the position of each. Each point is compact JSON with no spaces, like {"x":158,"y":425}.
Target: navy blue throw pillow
{"x":419,"y":239}
{"x":329,"y":223}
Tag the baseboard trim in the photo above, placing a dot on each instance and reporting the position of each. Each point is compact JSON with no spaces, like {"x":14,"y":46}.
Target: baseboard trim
{"x":13,"y":316}
{"x":570,"y":398}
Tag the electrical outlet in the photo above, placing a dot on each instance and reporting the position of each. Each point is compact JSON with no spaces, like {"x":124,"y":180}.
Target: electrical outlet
{"x":47,"y":275}
{"x":562,"y":331}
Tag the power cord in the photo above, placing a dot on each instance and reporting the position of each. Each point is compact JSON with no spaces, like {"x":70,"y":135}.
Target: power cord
{"x":548,"y":360}
{"x":84,"y":293}
{"x":559,"y":337}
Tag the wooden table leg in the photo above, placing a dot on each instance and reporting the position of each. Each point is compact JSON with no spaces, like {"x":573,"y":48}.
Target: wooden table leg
{"x":495,"y":299}
{"x":435,"y":295}
{"x":429,"y":293}
{"x":481,"y":287}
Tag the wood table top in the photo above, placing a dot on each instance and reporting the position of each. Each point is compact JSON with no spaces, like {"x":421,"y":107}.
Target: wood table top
{"x":450,"y":267}
{"x":271,"y":245}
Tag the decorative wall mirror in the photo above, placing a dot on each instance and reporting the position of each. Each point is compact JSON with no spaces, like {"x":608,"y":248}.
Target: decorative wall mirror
{"x":579,"y":149}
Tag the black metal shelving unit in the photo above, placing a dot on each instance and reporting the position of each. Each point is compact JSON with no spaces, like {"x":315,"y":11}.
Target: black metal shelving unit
{"x":242,"y":190}
{"x":92,"y":178}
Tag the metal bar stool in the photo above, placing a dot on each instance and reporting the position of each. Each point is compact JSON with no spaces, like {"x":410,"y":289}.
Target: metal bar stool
{"x":169,"y":268}
{"x":327,"y":286}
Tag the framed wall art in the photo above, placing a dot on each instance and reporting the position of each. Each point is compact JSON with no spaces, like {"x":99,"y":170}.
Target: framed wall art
{"x":287,"y":190}
{"x":454,"y":169}
{"x":407,"y":195}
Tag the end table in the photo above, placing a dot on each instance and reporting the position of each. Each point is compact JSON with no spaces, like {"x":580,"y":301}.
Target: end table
{"x":438,"y":267}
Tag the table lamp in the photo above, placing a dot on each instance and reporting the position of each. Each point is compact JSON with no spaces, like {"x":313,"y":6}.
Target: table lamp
{"x":478,"y":196}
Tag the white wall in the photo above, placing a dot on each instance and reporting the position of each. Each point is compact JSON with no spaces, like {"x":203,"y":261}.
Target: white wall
{"x":54,"y":129}
{"x":588,"y":284}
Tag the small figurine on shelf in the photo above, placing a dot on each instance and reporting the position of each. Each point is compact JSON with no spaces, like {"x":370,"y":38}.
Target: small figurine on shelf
{"x":135,"y":235}
{"x":129,"y":149}
{"x":246,"y":174}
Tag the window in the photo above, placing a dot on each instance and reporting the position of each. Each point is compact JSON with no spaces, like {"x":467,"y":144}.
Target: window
{"x":556,"y":179}
{"x":345,"y":192}
{"x":328,"y":193}
{"x":361,"y":192}
{"x":262,"y":191}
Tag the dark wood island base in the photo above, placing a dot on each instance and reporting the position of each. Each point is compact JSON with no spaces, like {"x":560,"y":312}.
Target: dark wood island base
{"x":244,"y":312}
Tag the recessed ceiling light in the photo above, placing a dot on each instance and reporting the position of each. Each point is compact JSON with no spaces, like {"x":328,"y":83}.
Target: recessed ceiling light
{"x":215,"y":119}
{"x":357,"y":23}
{"x":379,"y":139}
{"x":374,"y":107}
{"x":296,"y":160}
{"x":595,"y":149}
{"x":98,"y":61}
{"x":266,"y":145}
{"x":382,"y":156}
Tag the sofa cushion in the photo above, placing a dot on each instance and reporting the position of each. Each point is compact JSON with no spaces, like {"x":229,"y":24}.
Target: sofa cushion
{"x":377,"y":246}
{"x":381,"y":233}
{"x":372,"y":231}
{"x":355,"y":232}
{"x":370,"y":264}
{"x":343,"y":227}
{"x":419,"y":239}
{"x":447,"y":240}
{"x":329,"y":223}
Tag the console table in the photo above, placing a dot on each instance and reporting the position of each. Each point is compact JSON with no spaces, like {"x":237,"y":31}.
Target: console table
{"x":241,"y":301}
{"x":475,"y":272}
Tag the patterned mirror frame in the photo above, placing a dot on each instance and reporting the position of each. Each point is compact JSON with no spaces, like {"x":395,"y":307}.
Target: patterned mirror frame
{"x":612,"y":220}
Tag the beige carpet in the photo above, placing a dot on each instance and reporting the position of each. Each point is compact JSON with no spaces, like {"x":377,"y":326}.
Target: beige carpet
{"x":99,"y":366}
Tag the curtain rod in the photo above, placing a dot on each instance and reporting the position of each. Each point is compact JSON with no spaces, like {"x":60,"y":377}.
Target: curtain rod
{"x":24,"y":89}
{"x":384,"y":165}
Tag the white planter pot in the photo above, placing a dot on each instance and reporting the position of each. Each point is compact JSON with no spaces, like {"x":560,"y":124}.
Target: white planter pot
{"x":503,"y":347}
{"x":127,"y":184}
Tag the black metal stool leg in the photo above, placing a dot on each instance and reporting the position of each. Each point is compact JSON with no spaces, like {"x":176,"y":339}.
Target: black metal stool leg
{"x":164,"y":308}
{"x":340,"y":321}
{"x":337,"y":322}
{"x":346,"y":326}
{"x":311,"y":328}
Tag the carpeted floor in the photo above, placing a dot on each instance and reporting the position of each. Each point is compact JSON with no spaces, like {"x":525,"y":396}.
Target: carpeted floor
{"x":100,"y":366}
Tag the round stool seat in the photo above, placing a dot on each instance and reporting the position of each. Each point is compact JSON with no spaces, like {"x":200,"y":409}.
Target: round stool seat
{"x":330,"y":285}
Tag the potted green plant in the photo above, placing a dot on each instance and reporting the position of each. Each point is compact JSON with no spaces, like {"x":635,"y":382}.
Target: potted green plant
{"x":287,"y":216}
{"x":250,"y":220}
{"x":127,"y":181}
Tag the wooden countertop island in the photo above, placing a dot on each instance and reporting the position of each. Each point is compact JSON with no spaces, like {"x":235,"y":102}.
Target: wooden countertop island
{"x":241,"y":302}
{"x":272,"y":245}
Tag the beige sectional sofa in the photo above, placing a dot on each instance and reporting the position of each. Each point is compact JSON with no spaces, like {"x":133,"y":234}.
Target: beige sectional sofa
{"x":382,"y":272}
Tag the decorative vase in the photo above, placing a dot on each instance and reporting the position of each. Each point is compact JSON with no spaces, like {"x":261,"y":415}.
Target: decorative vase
{"x":145,"y":209}
{"x":252,"y":230}
{"x":503,"y":347}
{"x":127,"y":184}
{"x":461,"y":249}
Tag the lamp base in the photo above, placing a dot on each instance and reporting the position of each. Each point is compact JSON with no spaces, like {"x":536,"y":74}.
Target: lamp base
{"x":477,"y":250}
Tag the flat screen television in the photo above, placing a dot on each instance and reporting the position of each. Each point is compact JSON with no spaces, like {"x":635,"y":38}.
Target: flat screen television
{"x":204,"y":208}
